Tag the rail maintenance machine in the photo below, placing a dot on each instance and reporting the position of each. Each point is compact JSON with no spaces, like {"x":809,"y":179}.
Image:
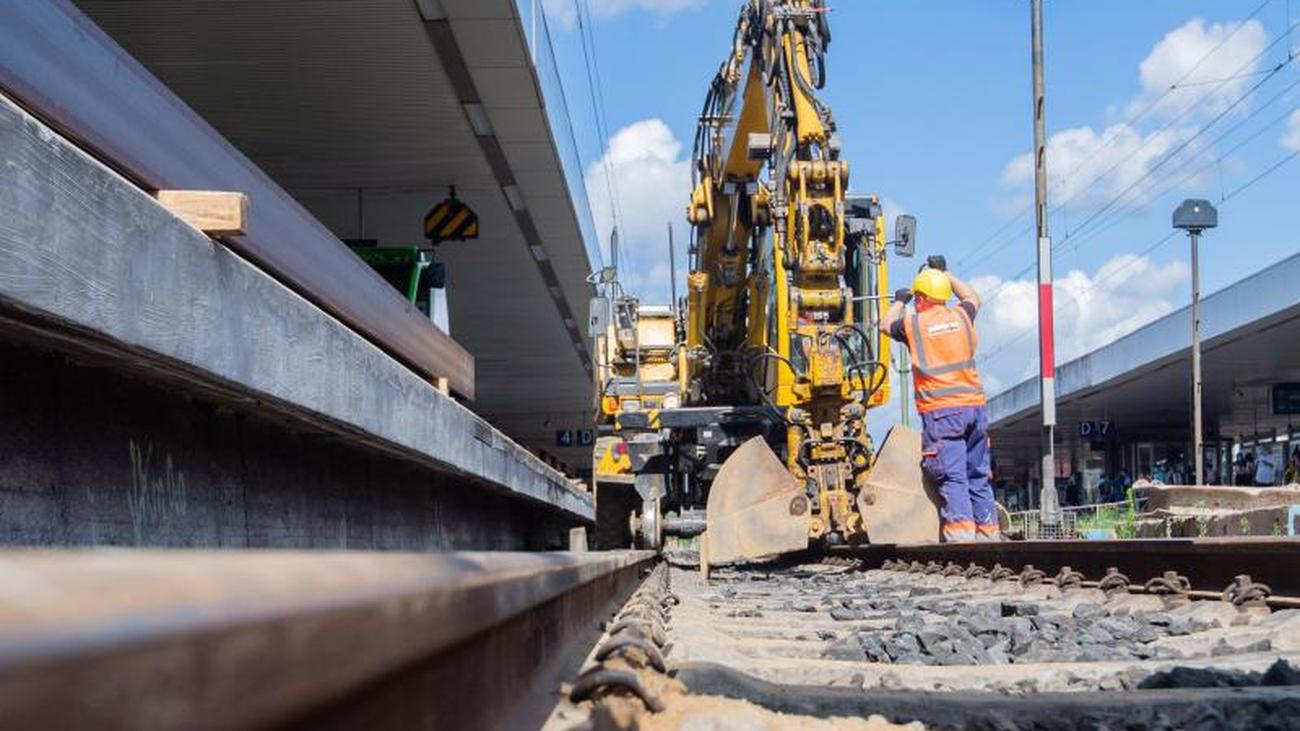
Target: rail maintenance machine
{"x":739,"y":415}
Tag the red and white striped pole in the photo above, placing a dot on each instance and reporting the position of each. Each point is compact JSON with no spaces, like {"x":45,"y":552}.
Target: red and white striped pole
{"x":1049,"y":506}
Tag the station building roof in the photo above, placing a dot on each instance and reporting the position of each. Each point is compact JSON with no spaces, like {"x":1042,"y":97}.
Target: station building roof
{"x":1141,"y":383}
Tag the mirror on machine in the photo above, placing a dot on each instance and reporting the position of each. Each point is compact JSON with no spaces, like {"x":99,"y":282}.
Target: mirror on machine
{"x":905,"y":235}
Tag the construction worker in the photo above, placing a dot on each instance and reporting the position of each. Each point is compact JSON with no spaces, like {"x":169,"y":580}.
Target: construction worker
{"x":949,"y":396}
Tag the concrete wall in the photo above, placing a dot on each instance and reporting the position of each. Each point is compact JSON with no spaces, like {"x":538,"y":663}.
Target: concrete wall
{"x":93,"y":456}
{"x":286,"y":428}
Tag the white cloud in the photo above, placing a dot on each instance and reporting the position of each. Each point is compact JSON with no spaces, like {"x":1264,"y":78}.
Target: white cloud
{"x":652,"y":182}
{"x":1089,"y":168}
{"x":1128,"y":291}
{"x":1229,"y":50}
{"x":1291,"y":139}
{"x":561,"y":12}
{"x":565,"y":12}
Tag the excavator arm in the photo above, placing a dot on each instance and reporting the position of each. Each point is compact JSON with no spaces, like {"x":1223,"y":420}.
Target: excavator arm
{"x":788,"y":278}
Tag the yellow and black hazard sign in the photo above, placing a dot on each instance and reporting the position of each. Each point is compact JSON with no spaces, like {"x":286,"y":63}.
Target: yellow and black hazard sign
{"x":451,"y":220}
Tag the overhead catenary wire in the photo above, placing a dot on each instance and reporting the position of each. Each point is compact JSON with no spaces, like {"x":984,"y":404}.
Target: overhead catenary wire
{"x":1177,"y":149}
{"x":1145,"y":192}
{"x":1224,"y":197}
{"x":573,"y":138}
{"x":1148,"y":250}
{"x":596,"y":95}
{"x":1148,"y":139}
{"x":1107,"y":142}
{"x":1269,"y":74}
{"x":1135,"y":205}
{"x":1109,"y":204}
{"x":1075,"y":299}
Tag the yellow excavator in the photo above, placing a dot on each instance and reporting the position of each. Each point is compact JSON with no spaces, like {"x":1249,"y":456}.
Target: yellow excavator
{"x":778,"y":356}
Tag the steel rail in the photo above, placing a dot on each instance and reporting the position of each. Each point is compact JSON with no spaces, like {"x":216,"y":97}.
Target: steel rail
{"x":1210,"y":564}
{"x":224,"y":640}
{"x":64,"y":69}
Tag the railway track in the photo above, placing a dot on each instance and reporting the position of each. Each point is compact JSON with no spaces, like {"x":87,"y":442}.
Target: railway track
{"x":1003,"y":636}
{"x":917,"y":637}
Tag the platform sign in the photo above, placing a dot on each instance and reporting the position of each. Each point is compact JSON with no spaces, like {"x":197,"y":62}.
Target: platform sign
{"x":1098,"y":431}
{"x":575,"y":437}
{"x":1286,"y":399}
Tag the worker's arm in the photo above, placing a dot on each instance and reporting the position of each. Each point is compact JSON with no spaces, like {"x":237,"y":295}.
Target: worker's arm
{"x":895,"y":313}
{"x":964,"y":291}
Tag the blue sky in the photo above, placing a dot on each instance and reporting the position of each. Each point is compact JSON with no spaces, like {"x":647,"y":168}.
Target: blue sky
{"x":932,"y":100}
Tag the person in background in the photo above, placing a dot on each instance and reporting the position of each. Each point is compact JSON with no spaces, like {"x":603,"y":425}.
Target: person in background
{"x":1240,"y":477}
{"x":941,"y":339}
{"x":1161,"y":474}
{"x":1074,"y":489}
{"x":1265,"y":470}
{"x":1293,"y":467}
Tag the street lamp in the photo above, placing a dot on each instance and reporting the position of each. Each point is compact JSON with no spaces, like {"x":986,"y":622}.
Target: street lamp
{"x":1194,"y":216}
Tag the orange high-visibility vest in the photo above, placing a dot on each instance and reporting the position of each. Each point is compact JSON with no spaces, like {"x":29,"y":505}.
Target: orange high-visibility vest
{"x":942,"y":342}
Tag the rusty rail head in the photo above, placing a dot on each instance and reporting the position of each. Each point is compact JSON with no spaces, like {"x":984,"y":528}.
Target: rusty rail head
{"x":116,"y":639}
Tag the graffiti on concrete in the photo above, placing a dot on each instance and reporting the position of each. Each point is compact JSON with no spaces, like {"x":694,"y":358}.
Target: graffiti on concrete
{"x":157,"y":491}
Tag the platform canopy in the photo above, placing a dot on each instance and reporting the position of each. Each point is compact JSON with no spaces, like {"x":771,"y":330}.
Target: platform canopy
{"x":1140,"y":384}
{"x":367,"y":113}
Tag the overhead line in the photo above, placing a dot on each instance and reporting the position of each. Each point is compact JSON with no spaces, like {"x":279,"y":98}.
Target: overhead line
{"x":1218,"y":160}
{"x":1161,"y":242}
{"x":597,"y":111}
{"x":1059,"y":245}
{"x":1184,"y":145}
{"x":1129,"y":123}
{"x":1185,"y":113}
{"x":1261,"y":176}
{"x":1024,"y":333}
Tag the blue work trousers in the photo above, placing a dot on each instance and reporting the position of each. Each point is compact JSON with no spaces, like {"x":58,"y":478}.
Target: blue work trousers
{"x":955,"y":454}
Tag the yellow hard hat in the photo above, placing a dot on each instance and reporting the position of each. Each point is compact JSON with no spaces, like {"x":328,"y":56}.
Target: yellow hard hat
{"x":933,"y":284}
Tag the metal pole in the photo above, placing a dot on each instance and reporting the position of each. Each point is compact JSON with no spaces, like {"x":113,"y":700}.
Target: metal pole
{"x":1049,"y":506}
{"x":672,"y":270}
{"x":1197,"y":438}
{"x":903,"y":368}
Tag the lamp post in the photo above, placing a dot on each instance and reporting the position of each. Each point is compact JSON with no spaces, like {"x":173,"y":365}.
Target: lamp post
{"x":1194,"y":216}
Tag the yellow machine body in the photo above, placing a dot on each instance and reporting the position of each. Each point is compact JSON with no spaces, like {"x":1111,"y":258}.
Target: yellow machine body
{"x":637,"y":375}
{"x":773,"y":316}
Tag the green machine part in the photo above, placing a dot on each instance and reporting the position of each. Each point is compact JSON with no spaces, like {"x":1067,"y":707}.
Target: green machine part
{"x":411,"y":270}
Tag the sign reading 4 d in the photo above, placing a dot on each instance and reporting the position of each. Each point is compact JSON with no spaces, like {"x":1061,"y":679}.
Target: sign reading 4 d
{"x":575,"y":437}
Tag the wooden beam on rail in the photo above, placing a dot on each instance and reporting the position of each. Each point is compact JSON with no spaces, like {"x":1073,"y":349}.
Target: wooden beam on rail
{"x":100,"y":96}
{"x":214,"y":212}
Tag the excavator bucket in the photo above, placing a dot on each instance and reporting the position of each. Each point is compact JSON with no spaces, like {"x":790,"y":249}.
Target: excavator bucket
{"x":898,"y":505}
{"x":755,"y":508}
